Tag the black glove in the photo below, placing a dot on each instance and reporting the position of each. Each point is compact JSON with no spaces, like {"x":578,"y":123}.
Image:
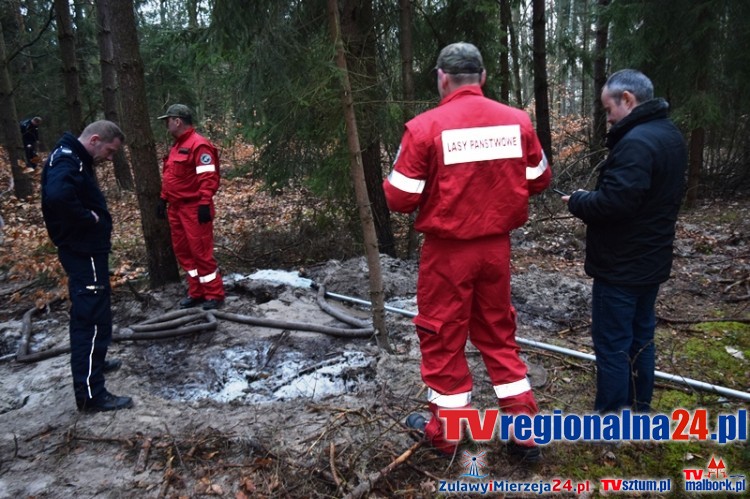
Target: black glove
{"x":161,"y":209}
{"x":204,"y":214}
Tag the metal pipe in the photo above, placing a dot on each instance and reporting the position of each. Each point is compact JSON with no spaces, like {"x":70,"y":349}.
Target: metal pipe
{"x":700,"y":385}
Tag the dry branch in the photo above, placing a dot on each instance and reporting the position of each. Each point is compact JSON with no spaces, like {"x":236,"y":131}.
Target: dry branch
{"x":332,"y":461}
{"x":365,"y":487}
{"x":142,"y":462}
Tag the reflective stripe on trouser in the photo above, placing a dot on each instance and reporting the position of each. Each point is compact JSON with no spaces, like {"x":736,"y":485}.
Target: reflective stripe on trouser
{"x":90,"y":319}
{"x":193,"y":245}
{"x":463,"y":293}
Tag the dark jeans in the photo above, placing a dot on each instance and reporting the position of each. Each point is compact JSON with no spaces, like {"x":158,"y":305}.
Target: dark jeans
{"x":622,"y":327}
{"x":90,"y":319}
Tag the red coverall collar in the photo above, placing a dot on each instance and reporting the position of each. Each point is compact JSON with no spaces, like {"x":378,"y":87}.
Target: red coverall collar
{"x":461,"y":91}
{"x":185,"y":135}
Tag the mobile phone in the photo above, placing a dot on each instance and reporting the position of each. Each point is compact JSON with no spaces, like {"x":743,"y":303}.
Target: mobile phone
{"x":558,"y":191}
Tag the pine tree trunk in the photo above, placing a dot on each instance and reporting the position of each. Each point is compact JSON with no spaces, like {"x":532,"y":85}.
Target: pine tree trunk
{"x":540,"y":78}
{"x":358,"y":177}
{"x":515,"y":60}
{"x":695,"y":165}
{"x":599,"y":129}
{"x":702,"y":44}
{"x":406,"y":47}
{"x":505,"y":22}
{"x":358,"y":33}
{"x":67,"y":39}
{"x":9,"y":128}
{"x":162,"y":265}
{"x":123,"y":175}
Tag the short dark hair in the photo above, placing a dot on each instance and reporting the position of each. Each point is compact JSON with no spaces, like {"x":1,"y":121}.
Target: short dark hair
{"x":107,"y":130}
{"x":630,"y":80}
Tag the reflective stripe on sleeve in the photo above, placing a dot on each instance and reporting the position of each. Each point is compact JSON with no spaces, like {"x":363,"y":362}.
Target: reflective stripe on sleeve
{"x":204,"y":169}
{"x":534,"y":172}
{"x":406,"y":184}
{"x":193,"y":273}
{"x":512,"y":389}
{"x":208,"y":278}
{"x":449,"y":401}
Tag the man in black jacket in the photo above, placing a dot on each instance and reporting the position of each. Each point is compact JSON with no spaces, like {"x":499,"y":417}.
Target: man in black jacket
{"x":630,"y":228}
{"x":30,"y":137}
{"x":80,"y":225}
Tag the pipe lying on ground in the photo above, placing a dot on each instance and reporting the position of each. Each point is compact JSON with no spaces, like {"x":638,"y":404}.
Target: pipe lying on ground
{"x":700,"y":385}
{"x":175,"y":324}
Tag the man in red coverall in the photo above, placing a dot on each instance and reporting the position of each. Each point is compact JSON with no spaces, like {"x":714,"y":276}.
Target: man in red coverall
{"x":469,"y":166}
{"x":190,"y":178}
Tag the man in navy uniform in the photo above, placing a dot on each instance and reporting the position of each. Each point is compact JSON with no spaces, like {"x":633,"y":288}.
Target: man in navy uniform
{"x":80,"y":225}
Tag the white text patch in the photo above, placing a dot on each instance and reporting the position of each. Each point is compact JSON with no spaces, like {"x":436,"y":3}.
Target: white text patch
{"x":466,"y":145}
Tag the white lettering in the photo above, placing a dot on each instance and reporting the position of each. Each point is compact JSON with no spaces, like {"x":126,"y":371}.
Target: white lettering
{"x":467,"y":145}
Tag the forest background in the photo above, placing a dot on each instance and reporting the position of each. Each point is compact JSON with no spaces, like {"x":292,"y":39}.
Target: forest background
{"x":263,"y":81}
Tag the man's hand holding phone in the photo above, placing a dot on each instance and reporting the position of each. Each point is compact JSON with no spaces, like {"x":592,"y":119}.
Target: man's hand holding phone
{"x":564,"y":195}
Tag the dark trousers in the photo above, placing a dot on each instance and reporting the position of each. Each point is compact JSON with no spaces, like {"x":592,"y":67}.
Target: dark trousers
{"x":30,"y":151}
{"x":90,"y":319}
{"x":623,"y":321}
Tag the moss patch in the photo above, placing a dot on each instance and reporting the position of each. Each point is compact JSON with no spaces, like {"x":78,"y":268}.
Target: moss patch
{"x":665,"y":401}
{"x":706,"y":356}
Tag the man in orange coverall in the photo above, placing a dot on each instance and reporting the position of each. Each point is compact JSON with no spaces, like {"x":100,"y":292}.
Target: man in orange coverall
{"x":469,"y":165}
{"x":190,"y":178}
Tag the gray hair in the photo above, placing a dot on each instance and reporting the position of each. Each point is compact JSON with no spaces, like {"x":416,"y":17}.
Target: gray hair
{"x":106,"y":130}
{"x":460,"y":57}
{"x":630,"y":80}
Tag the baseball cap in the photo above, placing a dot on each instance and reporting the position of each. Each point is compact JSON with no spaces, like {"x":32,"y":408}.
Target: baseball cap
{"x":459,"y":58}
{"x":177,"y":111}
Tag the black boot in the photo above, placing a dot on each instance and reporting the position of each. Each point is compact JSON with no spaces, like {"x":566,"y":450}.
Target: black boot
{"x":103,"y":402}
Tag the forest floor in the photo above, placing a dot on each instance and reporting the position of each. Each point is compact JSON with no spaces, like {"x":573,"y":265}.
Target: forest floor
{"x":256,"y":411}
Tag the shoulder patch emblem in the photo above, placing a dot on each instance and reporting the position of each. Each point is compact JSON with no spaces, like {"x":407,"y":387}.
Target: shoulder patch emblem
{"x":205,"y":158}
